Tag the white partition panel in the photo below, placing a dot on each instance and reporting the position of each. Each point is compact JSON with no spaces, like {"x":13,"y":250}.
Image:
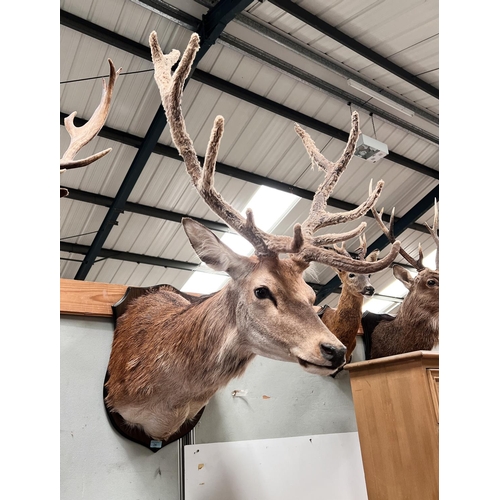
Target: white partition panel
{"x":96,"y":462}
{"x":297,"y":468}
{"x":273,"y":400}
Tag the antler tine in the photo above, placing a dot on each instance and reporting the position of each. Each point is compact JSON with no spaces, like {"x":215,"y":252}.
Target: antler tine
{"x":334,"y":259}
{"x":361,"y":250}
{"x":341,"y":249}
{"x":171,"y":87}
{"x":318,"y":216}
{"x":80,"y":136}
{"x":341,"y":259}
{"x":314,"y":248}
{"x":434,"y":230}
{"x":389,"y":232}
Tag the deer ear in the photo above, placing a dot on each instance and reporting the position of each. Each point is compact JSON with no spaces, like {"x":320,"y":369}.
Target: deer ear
{"x":373,"y":256}
{"x":402,"y":275}
{"x":213,"y":252}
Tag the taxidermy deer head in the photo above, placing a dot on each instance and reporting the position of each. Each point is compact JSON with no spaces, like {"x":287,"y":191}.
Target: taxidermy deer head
{"x":169,"y":356}
{"x":345,"y":320}
{"x":80,"y":136}
{"x":416,"y":325}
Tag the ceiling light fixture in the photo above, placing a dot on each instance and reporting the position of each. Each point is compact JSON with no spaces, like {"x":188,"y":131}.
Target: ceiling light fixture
{"x":369,"y":148}
{"x":381,"y":98}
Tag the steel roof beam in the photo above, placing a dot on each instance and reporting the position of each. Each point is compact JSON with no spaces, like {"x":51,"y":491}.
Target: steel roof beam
{"x":137,"y":208}
{"x":315,"y":22}
{"x":301,"y":49}
{"x":301,"y":118}
{"x":129,"y":257}
{"x":327,"y":88}
{"x":234,"y":90}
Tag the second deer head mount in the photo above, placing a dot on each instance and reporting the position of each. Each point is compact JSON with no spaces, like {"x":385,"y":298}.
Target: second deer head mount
{"x":345,"y":320}
{"x":170,"y":356}
{"x":416,"y":325}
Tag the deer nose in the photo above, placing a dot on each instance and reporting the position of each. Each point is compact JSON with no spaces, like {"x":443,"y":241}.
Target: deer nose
{"x":334,"y":354}
{"x":368,"y":290}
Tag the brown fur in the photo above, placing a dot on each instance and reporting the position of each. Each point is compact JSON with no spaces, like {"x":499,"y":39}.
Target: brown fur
{"x":169,"y":355}
{"x":345,"y":320}
{"x":416,"y":326}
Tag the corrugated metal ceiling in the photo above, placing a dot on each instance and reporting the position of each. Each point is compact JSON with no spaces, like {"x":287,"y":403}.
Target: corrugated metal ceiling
{"x":257,"y":140}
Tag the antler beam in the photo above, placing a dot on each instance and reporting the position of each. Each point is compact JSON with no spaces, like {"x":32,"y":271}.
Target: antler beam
{"x":171,"y":87}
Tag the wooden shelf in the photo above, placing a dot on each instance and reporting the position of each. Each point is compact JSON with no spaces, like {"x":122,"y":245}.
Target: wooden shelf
{"x":396,"y":403}
{"x":87,"y":298}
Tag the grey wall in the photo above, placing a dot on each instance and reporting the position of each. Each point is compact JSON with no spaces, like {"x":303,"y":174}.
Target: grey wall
{"x":279,"y":400}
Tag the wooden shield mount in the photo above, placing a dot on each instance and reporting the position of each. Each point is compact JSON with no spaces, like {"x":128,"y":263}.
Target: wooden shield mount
{"x":120,"y":425}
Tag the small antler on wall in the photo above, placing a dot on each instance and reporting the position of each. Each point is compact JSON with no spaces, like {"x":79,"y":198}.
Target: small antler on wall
{"x":80,"y":136}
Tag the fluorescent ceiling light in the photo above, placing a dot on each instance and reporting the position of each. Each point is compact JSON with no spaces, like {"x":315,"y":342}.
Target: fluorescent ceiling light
{"x":381,"y":98}
{"x":379,"y":306}
{"x":269,"y":206}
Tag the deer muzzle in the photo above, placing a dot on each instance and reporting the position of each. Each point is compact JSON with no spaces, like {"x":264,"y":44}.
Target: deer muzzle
{"x":334,"y":357}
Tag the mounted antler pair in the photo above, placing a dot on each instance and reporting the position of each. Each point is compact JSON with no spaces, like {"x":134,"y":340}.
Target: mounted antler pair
{"x":170,"y":355}
{"x":80,"y":136}
{"x":306,"y":247}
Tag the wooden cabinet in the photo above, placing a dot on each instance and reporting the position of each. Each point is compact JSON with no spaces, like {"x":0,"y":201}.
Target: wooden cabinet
{"x":396,"y":403}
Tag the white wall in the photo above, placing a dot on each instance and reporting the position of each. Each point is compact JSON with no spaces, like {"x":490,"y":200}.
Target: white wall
{"x":281,"y":400}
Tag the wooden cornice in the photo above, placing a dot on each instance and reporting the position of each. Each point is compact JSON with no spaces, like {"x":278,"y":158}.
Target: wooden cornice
{"x":87,"y":298}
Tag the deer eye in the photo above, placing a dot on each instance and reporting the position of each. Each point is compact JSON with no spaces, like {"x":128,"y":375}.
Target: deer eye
{"x":431,"y":282}
{"x":262,"y":293}
{"x":351,"y":275}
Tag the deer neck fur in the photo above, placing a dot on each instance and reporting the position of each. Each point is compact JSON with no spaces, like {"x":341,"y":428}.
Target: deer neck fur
{"x":157,"y":352}
{"x":416,"y":326}
{"x":345,"y":320}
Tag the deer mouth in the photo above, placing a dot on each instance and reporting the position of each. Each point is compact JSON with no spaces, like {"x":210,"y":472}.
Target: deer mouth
{"x":317,"y":369}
